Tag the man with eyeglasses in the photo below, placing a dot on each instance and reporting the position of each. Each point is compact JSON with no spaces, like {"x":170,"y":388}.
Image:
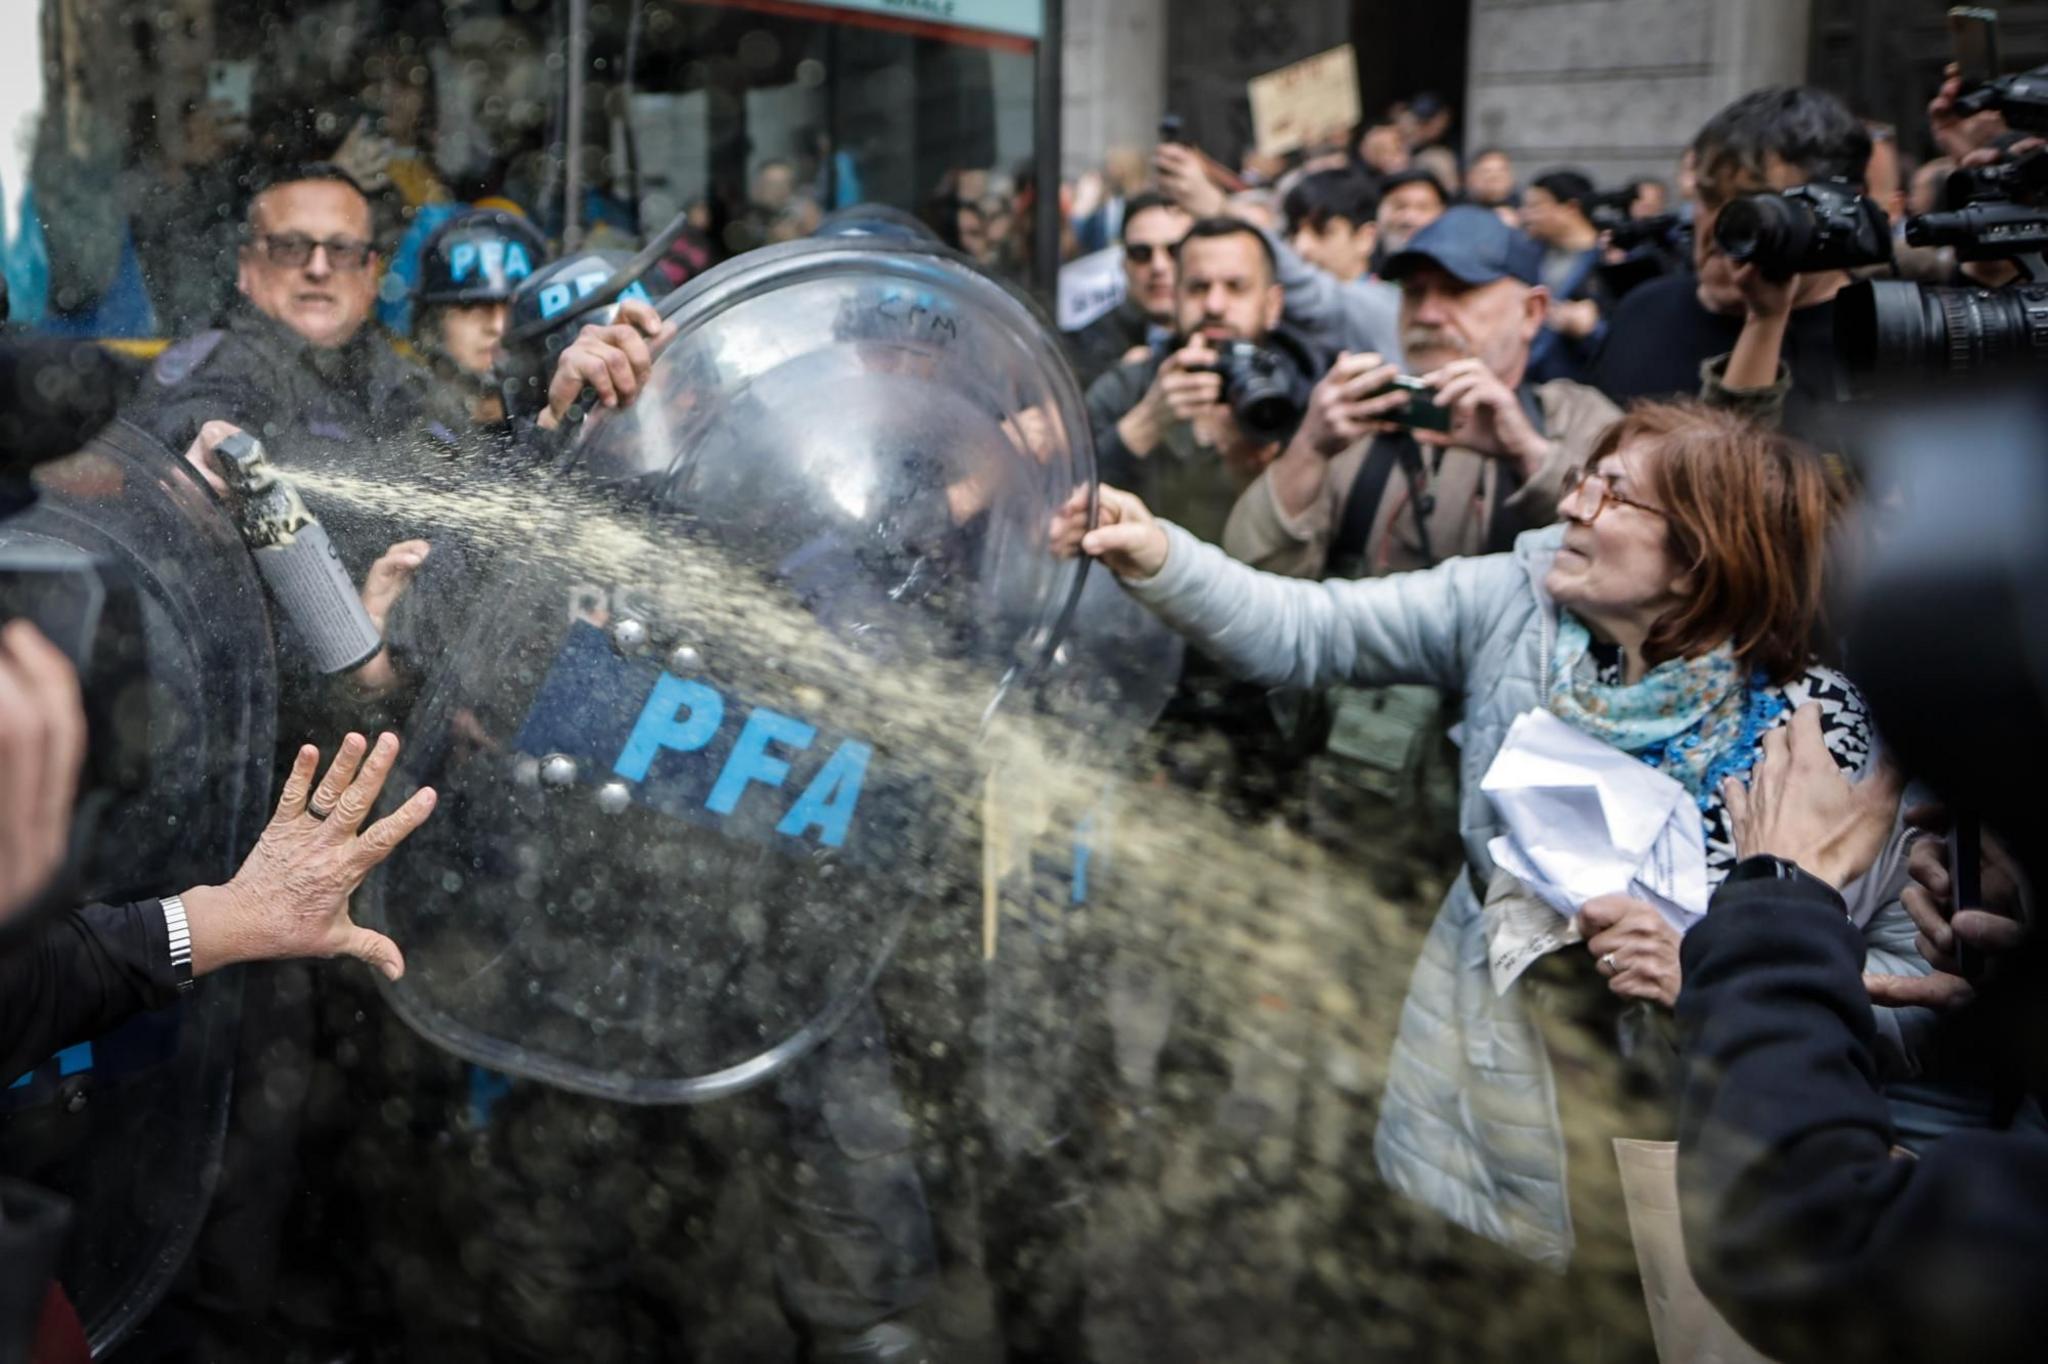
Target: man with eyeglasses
{"x":293,"y":360}
{"x":1153,"y":226}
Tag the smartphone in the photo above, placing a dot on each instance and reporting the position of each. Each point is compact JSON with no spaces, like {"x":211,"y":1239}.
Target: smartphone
{"x":1421,"y":413}
{"x":1966,"y":882}
{"x":1170,"y":128}
{"x":1974,"y":32}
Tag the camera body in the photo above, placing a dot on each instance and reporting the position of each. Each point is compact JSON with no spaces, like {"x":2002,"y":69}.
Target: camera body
{"x":1265,"y":390}
{"x":1422,"y":412}
{"x":1822,"y":225}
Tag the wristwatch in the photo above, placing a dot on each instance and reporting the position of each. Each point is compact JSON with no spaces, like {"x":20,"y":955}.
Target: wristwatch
{"x":1765,"y":867}
{"x":180,"y":935}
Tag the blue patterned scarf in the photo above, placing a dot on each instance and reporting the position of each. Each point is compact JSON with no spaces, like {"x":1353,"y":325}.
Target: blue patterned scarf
{"x":1696,"y":720}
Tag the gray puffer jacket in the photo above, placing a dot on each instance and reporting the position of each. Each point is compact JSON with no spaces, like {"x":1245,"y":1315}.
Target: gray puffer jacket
{"x":1469,"y":1124}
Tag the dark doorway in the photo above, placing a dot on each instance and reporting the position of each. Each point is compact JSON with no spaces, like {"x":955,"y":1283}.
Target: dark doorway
{"x":1885,"y":56}
{"x":1405,"y":48}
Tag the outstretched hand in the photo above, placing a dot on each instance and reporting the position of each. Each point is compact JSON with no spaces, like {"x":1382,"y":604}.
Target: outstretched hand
{"x":291,"y":896}
{"x":1126,"y":537}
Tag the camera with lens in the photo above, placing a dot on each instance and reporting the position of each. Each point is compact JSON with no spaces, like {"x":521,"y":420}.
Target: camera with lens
{"x":1988,"y":213}
{"x":1651,"y":247}
{"x":1823,"y":225}
{"x":2022,"y":98}
{"x":1266,"y":390}
{"x":1609,"y":213}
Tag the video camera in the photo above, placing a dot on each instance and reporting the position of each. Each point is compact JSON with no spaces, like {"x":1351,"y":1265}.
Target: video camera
{"x":1988,"y":213}
{"x":2022,"y":98}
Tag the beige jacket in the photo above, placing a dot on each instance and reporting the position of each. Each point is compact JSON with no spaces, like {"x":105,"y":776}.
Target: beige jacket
{"x":1259,"y":533}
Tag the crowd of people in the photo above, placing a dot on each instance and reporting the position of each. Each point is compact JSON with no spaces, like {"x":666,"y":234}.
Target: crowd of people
{"x":1409,"y":449}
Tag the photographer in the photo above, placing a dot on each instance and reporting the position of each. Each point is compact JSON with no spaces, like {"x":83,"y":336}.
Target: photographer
{"x":1661,"y":333}
{"x":1556,"y":211}
{"x":1331,"y":299}
{"x":1165,"y":423}
{"x":1355,"y":495}
{"x":1365,"y":489}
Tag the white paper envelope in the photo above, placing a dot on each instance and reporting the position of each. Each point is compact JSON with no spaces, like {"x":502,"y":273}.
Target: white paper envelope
{"x":1585,"y":819}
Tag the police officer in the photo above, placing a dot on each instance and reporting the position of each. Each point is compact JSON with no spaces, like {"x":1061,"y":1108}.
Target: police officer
{"x":545,"y":321}
{"x":469,"y":270}
{"x":298,"y":362}
{"x":295,"y":360}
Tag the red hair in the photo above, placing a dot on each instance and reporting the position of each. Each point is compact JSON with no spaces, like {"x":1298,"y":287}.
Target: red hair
{"x":1749,"y":512}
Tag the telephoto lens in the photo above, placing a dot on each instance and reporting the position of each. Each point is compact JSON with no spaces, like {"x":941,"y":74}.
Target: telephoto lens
{"x":1888,"y":326}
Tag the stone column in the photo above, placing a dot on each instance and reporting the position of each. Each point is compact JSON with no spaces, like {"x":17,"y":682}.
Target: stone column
{"x":1617,"y":88}
{"x":1113,"y":68}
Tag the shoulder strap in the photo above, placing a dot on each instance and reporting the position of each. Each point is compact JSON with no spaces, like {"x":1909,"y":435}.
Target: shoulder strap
{"x":1361,"y":509}
{"x":1503,"y":524}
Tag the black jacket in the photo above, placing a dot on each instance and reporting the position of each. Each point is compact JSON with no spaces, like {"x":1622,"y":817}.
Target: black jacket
{"x":1659,"y":334}
{"x":1100,"y":347}
{"x":308,"y":403}
{"x":71,"y":977}
{"x":1802,"y":1227}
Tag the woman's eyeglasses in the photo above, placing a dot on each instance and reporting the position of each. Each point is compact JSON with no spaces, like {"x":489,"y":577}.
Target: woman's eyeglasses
{"x":1586,"y":483}
{"x":293,"y":249}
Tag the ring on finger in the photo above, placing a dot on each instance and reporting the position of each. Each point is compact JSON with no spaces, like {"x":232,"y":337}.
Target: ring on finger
{"x":1609,"y":963}
{"x":316,"y":812}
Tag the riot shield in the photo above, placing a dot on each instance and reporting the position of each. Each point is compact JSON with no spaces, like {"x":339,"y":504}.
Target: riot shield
{"x":714,"y":737}
{"x":129,"y":1126}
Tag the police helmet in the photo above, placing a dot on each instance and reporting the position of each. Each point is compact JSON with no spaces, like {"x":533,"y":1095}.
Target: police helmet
{"x":546,"y":317}
{"x":481,"y":256}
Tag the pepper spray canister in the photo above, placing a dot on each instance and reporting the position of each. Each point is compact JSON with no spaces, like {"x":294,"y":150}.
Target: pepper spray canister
{"x":305,"y":576}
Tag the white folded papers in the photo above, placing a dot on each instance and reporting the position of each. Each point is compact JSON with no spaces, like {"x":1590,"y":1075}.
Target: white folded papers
{"x":1585,"y":819}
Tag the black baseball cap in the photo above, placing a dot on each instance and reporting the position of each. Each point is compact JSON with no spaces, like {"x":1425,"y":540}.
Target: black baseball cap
{"x":1470,"y":244}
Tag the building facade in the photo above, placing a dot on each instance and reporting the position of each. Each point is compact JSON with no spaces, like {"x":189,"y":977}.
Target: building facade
{"x":1616,"y":87}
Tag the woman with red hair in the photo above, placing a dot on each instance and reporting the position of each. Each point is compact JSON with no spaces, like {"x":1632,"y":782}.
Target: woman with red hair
{"x":1672,"y":614}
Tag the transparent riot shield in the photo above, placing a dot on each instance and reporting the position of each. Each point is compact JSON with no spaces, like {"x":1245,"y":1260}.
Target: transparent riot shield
{"x":713,"y":735}
{"x":129,"y":1126}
